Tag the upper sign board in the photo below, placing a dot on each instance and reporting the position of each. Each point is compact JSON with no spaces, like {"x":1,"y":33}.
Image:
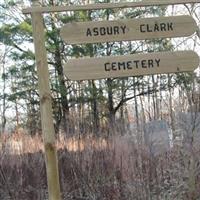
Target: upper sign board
{"x":131,"y":65}
{"x":125,"y":30}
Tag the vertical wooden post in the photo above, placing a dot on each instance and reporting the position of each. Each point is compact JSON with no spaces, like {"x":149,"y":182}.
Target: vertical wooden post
{"x":46,"y":106}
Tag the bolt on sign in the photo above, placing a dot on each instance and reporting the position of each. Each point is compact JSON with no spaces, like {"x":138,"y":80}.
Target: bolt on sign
{"x":131,"y":65}
{"x":125,"y":30}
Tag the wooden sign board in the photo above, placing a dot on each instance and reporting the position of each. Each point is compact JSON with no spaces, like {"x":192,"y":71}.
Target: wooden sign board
{"x":125,"y":30}
{"x":131,"y":65}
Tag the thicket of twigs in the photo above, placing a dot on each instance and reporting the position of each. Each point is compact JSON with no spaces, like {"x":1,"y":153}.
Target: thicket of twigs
{"x":97,"y":169}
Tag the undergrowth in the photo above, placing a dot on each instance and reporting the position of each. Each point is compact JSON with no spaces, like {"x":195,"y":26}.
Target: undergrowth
{"x":115,"y":168}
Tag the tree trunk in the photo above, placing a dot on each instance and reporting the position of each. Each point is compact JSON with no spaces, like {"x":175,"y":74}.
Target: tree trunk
{"x":3,"y":118}
{"x":122,"y":117}
{"x":95,"y":108}
{"x":136,"y":105}
{"x":171,"y":108}
{"x":61,"y":80}
{"x":111,"y":114}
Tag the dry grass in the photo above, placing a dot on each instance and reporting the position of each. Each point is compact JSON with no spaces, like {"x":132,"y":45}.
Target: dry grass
{"x":98,"y":169}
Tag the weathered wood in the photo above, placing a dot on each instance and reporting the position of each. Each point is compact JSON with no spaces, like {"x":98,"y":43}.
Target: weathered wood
{"x":131,"y":65}
{"x":132,"y":29}
{"x":46,"y":107}
{"x":99,"y":6}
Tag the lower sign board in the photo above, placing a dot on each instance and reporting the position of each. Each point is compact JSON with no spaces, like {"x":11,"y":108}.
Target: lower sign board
{"x":131,"y":65}
{"x":126,"y":30}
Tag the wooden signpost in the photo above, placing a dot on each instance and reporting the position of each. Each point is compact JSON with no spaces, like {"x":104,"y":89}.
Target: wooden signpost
{"x":100,"y":6}
{"x":131,"y":65}
{"x":124,"y":30}
{"x":46,"y":107}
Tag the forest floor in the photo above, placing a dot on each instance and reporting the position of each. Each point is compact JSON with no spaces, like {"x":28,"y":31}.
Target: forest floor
{"x":99,"y":169}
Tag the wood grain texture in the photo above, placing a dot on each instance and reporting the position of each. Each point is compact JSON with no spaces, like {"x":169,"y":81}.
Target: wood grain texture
{"x":99,"y":6}
{"x":46,"y":107}
{"x":131,"y":65}
{"x":125,"y":30}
